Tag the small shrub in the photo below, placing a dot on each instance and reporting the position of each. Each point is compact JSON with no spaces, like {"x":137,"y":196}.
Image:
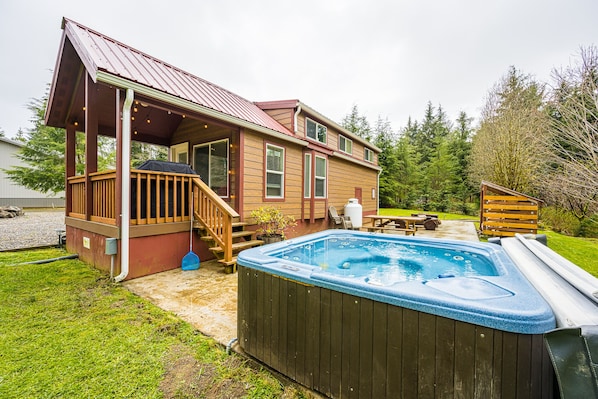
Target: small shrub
{"x":559,"y":220}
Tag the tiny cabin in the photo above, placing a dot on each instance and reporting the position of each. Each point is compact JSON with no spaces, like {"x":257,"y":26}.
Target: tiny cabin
{"x":241,"y":155}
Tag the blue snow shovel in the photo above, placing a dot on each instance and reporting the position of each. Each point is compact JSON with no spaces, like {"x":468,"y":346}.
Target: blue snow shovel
{"x":191,"y":260}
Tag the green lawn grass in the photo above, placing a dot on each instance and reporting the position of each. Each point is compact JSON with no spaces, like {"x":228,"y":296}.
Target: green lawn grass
{"x":581,"y":251}
{"x":67,"y":331}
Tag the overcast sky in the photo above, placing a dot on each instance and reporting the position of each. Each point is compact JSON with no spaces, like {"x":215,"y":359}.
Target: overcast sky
{"x":387,"y":57}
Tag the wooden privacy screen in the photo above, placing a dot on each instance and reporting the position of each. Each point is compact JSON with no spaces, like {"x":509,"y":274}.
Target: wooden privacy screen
{"x":504,"y":212}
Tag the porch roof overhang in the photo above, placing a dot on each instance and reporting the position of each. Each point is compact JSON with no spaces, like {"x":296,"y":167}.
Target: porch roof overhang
{"x":170,"y":92}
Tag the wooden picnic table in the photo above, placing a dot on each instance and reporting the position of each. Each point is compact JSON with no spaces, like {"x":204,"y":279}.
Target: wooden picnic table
{"x":381,"y":223}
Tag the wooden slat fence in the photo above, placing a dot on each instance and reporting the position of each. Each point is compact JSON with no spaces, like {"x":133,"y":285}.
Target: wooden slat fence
{"x":507,"y":215}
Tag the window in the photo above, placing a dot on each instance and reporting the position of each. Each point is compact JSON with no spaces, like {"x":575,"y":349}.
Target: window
{"x":368,"y":155}
{"x":179,"y":153}
{"x":210,"y":161}
{"x":274,"y":171}
{"x":345,"y":144}
{"x":307,"y":176}
{"x":320,"y":178}
{"x":315,"y":131}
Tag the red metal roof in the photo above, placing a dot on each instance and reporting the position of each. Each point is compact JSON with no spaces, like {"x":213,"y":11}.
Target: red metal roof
{"x":101,"y":53}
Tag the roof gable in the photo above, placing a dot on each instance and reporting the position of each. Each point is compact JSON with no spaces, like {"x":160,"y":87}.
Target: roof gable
{"x":99,"y":52}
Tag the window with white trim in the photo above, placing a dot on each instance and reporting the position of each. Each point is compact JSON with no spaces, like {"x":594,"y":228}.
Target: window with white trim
{"x":315,"y":131}
{"x":307,"y":176}
{"x":320,"y":178}
{"x":210,"y":161}
{"x":345,"y":145}
{"x":368,"y":155}
{"x":274,"y":171}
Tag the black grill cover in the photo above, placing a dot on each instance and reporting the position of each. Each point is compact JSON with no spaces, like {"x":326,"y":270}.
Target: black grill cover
{"x":165,"y":166}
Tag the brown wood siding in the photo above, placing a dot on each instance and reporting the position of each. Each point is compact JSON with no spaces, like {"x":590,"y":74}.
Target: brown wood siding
{"x":344,"y":177}
{"x":346,"y":346}
{"x":283,"y":116}
{"x":254,"y":175}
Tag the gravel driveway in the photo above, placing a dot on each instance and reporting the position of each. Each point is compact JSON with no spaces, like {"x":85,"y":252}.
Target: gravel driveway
{"x":34,"y":229}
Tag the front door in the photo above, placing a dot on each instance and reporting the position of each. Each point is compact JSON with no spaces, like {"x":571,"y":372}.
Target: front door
{"x":210,"y":161}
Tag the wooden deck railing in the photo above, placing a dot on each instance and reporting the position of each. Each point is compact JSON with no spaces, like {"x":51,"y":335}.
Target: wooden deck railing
{"x":216,"y":215}
{"x":156,"y":198}
{"x":77,"y":184}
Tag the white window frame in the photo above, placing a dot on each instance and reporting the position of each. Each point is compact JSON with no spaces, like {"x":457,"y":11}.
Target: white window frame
{"x":321,"y":178}
{"x":177,"y":150}
{"x":368,"y":155}
{"x":209,"y":145}
{"x":276,"y":172}
{"x":318,"y":127}
{"x":343,"y":143}
{"x":307,"y":176}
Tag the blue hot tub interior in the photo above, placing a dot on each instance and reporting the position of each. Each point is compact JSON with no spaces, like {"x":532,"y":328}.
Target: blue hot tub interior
{"x":466,"y":281}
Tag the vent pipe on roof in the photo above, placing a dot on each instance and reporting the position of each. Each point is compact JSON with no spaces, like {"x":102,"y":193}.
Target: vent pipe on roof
{"x":296,"y":117}
{"x":125,"y":216}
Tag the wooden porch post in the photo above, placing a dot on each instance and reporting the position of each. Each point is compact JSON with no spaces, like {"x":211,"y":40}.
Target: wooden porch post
{"x":91,"y":141}
{"x":240,"y":171}
{"x":70,"y":154}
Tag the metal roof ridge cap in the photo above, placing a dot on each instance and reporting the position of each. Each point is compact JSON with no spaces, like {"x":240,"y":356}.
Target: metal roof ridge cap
{"x":106,"y":77}
{"x":81,"y":50}
{"x":339,"y":127}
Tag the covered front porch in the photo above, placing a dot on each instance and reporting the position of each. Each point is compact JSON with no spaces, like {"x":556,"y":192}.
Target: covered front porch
{"x":130,"y":99}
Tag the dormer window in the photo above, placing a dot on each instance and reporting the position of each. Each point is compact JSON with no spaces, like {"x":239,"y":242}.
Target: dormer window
{"x":368,"y":155}
{"x":345,"y":145}
{"x":315,"y":131}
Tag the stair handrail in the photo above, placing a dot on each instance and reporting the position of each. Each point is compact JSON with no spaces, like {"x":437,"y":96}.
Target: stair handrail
{"x":215,"y":215}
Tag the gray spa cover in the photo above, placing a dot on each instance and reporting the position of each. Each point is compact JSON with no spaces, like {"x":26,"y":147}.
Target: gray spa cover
{"x":574,"y":355}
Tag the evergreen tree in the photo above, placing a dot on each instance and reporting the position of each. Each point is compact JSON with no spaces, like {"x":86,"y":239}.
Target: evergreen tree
{"x":387,"y":160}
{"x":358,"y":124}
{"x":43,"y":153}
{"x":460,"y":147}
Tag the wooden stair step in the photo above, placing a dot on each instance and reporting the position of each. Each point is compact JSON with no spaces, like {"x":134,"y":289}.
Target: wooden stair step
{"x":233,"y":261}
{"x":237,"y":246}
{"x":236,"y":234}
{"x":199,"y":226}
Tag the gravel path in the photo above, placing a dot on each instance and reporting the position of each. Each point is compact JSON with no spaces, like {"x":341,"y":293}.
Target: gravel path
{"x":34,"y":229}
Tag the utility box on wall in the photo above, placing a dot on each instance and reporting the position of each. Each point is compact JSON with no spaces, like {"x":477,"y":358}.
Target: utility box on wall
{"x":111,"y":246}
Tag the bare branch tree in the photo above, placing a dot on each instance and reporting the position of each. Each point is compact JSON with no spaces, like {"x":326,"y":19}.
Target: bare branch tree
{"x":572,"y":180}
{"x":508,"y":145}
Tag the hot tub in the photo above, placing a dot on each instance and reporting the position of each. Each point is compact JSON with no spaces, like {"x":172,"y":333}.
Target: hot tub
{"x":368,"y":315}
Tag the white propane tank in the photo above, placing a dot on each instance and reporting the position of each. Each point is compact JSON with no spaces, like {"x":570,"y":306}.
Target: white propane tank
{"x":354,"y":211}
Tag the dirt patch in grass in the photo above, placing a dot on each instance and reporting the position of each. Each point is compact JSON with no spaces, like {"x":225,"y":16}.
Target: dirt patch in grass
{"x":186,"y":377}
